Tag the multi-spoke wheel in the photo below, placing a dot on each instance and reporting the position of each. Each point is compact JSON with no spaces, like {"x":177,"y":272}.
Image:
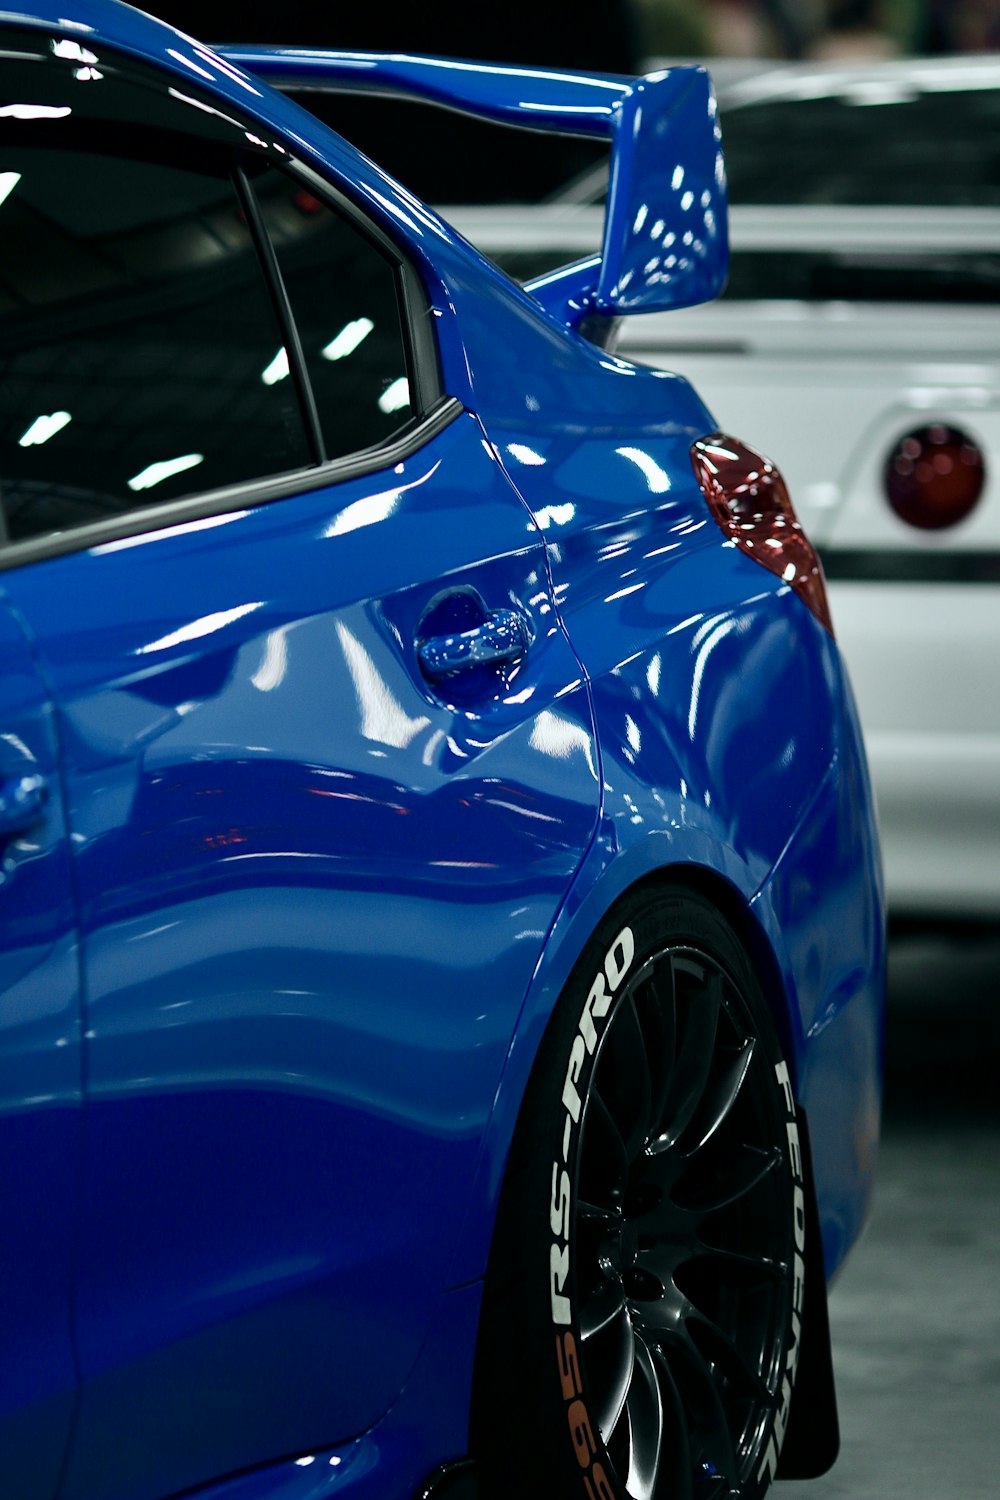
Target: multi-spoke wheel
{"x":640,"y":1324}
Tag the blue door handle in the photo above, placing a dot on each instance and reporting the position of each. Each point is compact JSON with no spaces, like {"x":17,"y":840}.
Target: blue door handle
{"x":21,"y":799}
{"x":503,"y":636}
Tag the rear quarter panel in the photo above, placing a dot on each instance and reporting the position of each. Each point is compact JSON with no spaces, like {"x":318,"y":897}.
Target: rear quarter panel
{"x":723,"y":719}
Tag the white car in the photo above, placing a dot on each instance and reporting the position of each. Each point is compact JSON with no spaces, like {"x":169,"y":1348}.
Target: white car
{"x":859,"y":339}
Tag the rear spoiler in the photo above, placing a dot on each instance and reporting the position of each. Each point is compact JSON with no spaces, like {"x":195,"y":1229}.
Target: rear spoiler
{"x":665,"y":239}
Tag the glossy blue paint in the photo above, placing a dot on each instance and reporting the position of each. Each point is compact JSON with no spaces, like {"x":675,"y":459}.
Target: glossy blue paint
{"x":425,"y":1429}
{"x":533,"y":98}
{"x":666,"y":241}
{"x":328,"y":897}
{"x":40,"y":1088}
{"x":567,"y":293}
{"x":823,"y":908}
{"x":313,"y":891}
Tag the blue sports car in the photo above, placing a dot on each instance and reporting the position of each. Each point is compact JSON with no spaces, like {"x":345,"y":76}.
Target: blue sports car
{"x":442,"y":934}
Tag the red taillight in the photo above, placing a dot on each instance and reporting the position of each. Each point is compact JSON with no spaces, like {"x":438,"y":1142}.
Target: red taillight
{"x":748,"y":497}
{"x":934,"y":476}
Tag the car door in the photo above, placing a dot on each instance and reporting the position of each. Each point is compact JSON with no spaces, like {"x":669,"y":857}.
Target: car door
{"x":329,"y":773}
{"x":39,"y":1082}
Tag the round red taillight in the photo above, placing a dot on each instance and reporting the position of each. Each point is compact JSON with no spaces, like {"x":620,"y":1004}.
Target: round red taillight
{"x":749,"y":499}
{"x":934,"y":476}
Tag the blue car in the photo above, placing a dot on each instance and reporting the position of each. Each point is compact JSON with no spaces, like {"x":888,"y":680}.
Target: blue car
{"x":442,"y":938}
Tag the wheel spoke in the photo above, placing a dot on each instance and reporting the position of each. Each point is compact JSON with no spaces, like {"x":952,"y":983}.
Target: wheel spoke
{"x":729,"y":1359}
{"x":612,"y":1375}
{"x":645,"y":1422}
{"x":713,"y":1450}
{"x":742,"y":1267}
{"x":663,"y":1318}
{"x":676,"y":1446}
{"x":694,"y":1061}
{"x":719,"y":1100}
{"x":604,"y":1303}
{"x":597,"y":1220}
{"x":662,"y":1259}
{"x":623,"y":1078}
{"x":657,"y":1009}
{"x":706,"y":1193}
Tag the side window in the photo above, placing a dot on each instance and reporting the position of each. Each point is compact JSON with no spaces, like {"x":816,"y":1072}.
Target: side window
{"x":344,"y":296}
{"x":137,"y":334}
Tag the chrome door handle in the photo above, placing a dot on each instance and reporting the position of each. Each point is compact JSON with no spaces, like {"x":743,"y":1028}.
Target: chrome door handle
{"x":21,"y":800}
{"x":503,"y":636}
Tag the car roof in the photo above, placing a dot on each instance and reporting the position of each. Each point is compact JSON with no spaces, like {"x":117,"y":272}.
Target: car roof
{"x":870,"y":81}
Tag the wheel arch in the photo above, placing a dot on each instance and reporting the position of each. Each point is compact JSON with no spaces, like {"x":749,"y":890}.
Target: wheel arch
{"x":589,"y":905}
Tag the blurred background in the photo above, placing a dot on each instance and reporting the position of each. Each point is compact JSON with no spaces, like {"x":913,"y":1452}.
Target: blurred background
{"x":614,"y":34}
{"x":818,"y":29}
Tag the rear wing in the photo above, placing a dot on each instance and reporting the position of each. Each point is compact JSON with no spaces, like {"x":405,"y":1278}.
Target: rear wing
{"x":665,"y":242}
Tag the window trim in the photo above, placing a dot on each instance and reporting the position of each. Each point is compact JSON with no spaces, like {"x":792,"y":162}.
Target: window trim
{"x":280,"y":301}
{"x":247,"y":495}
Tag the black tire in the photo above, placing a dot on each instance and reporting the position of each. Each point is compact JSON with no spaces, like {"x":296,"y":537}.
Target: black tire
{"x":640,"y":1325}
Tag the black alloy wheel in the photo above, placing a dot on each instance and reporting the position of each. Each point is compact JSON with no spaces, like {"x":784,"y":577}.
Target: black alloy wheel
{"x":646,"y":1349}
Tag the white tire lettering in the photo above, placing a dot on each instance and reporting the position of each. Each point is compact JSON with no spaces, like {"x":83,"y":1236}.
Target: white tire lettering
{"x":799,"y":1211}
{"x":781,"y":1420}
{"x":559,"y":1207}
{"x":796,"y":1349}
{"x":617,"y":962}
{"x":615,"y":966}
{"x":785,"y":1083}
{"x":570,"y":1097}
{"x":769,"y":1467}
{"x":769,"y":1464}
{"x":558,"y":1272}
{"x":599,"y":999}
{"x":798,"y":1283}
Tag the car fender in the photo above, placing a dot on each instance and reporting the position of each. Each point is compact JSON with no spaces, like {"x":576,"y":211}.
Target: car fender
{"x":790,"y":814}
